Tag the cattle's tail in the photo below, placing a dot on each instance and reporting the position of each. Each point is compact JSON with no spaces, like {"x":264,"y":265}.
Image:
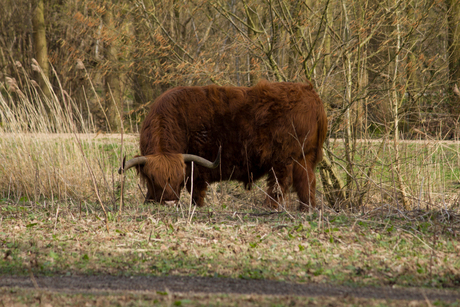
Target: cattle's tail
{"x":322,"y":132}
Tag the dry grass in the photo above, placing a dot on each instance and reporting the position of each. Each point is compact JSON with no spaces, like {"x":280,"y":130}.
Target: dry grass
{"x":430,"y":170}
{"x":36,"y":168}
{"x":50,"y":148}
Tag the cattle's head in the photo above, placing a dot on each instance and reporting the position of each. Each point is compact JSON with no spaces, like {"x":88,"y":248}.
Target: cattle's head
{"x":164,"y":174}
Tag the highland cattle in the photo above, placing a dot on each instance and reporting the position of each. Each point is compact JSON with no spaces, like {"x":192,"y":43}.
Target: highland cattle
{"x":275,"y":129}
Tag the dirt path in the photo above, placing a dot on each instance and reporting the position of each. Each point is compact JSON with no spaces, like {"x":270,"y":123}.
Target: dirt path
{"x":183,"y":284}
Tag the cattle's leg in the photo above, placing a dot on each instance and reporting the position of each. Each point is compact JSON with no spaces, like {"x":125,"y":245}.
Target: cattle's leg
{"x":148,"y":197}
{"x":278,"y":181}
{"x":199,"y":191}
{"x":304,"y":182}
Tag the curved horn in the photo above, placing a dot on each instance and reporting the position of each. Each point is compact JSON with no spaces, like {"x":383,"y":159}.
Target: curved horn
{"x":202,"y":161}
{"x":133,"y":162}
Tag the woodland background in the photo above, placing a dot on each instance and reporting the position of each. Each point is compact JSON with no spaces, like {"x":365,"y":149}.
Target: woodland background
{"x":385,"y":70}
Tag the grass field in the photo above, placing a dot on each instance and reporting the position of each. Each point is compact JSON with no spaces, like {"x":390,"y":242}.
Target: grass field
{"x":380,"y":248}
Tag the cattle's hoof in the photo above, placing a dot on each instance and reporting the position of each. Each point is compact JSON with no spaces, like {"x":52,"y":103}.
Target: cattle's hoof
{"x":305,"y":208}
{"x":270,"y":204}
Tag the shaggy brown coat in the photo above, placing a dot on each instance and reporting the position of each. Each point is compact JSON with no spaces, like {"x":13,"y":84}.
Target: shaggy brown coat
{"x":274,"y":129}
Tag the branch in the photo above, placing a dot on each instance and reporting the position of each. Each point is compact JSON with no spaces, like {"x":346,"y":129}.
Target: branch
{"x":171,"y":39}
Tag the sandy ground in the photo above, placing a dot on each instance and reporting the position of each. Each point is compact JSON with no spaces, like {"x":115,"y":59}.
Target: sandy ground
{"x":184,"y":284}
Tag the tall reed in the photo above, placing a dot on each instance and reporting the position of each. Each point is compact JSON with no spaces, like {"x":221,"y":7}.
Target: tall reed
{"x":44,"y":142}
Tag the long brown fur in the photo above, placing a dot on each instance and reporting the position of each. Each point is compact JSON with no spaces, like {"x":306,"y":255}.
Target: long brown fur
{"x":274,"y":129}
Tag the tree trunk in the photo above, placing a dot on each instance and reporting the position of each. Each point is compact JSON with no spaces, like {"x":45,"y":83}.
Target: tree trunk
{"x":453,"y":7}
{"x":394,"y":100}
{"x":328,"y":39}
{"x":252,"y":21}
{"x":113,"y":92}
{"x":334,"y":189}
{"x":348,"y":105}
{"x":142,"y":86}
{"x":413,"y":67}
{"x":375,"y":61}
{"x":40,"y":46}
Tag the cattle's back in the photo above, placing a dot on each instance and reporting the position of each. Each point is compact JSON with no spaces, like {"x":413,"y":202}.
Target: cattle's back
{"x":285,"y":120}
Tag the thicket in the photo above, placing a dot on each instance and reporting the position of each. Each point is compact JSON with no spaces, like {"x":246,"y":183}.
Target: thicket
{"x":386,"y":70}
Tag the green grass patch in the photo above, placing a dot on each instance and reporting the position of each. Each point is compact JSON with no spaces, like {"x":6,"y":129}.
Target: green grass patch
{"x":378,"y":249}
